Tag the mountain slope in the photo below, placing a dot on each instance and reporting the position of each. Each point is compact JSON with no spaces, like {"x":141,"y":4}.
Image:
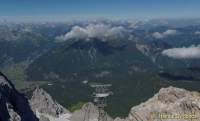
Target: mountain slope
{"x":82,"y":59}
{"x":14,"y":106}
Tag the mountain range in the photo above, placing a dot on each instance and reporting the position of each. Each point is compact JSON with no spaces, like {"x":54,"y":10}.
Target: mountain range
{"x":65,"y":58}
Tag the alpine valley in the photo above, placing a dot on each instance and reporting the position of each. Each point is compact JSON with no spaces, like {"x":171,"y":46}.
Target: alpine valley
{"x":137,"y":57}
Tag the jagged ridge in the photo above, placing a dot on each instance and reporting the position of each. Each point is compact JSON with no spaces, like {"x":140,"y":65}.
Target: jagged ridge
{"x":14,"y":105}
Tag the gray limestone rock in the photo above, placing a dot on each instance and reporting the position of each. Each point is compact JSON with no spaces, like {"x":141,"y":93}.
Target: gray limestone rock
{"x":171,"y":102}
{"x":89,"y":112}
{"x":42,"y":102}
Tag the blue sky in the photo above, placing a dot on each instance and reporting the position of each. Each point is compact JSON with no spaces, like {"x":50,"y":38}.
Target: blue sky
{"x":123,"y":9}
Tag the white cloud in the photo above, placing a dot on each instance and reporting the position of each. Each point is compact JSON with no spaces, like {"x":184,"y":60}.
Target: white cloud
{"x":168,"y":32}
{"x":157,"y":35}
{"x":197,"y":33}
{"x":100,"y":31}
{"x":192,"y":52}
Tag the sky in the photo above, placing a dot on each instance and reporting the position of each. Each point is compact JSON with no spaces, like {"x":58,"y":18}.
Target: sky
{"x":16,"y":10}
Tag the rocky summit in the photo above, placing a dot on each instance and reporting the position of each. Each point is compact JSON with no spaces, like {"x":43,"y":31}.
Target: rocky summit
{"x":45,"y":107}
{"x":170,"y":104}
{"x":89,"y":112}
{"x":43,"y":103}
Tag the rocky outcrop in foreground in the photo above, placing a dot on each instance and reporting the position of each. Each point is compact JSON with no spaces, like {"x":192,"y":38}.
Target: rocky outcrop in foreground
{"x":13,"y":105}
{"x":170,"y":104}
{"x":46,"y":108}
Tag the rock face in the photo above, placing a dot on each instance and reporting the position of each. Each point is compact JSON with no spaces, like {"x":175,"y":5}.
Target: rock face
{"x":89,"y":112}
{"x":49,"y":110}
{"x":43,"y":103}
{"x":13,"y":105}
{"x":170,"y":104}
{"x":46,"y":108}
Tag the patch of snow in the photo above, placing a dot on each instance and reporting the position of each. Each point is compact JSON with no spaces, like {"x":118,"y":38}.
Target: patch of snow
{"x":49,"y":84}
{"x":85,"y":81}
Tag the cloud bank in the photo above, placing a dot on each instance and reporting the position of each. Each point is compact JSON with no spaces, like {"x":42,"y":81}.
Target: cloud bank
{"x":192,"y":52}
{"x":168,"y":32}
{"x":197,"y":33}
{"x":99,"y":31}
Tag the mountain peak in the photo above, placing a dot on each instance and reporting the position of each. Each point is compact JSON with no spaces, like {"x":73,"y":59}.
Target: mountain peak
{"x":89,"y":112}
{"x":42,"y":102}
{"x":168,"y":101}
{"x":13,"y":105}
